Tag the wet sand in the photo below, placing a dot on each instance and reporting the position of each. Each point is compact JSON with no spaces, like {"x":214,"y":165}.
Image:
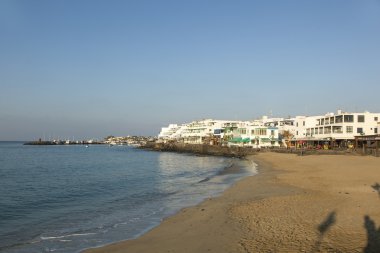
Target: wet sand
{"x":295,"y":204}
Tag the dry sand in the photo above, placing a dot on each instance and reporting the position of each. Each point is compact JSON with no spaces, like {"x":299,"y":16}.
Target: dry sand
{"x":295,"y":204}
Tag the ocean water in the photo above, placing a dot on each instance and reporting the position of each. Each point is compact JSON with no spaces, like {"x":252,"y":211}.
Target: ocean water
{"x":69,"y":198}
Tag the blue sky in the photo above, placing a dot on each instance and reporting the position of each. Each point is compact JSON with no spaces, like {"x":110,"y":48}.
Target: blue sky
{"x":87,"y":69}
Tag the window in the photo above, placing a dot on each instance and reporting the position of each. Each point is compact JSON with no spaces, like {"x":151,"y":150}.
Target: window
{"x":348,"y":118}
{"x":326,"y":121}
{"x":318,"y":122}
{"x":375,"y":130}
{"x":218,"y":131}
{"x":304,"y":123}
{"x":339,"y":119}
{"x":376,"y":118}
{"x":322,"y":121}
{"x":261,"y":131}
{"x":349,"y":129}
{"x":337,"y":129}
{"x":321,"y":130}
{"x":360,"y":118}
{"x":316,"y":131}
{"x":359,"y":130}
{"x":332,"y":120}
{"x":252,"y":132}
{"x":271,"y":132}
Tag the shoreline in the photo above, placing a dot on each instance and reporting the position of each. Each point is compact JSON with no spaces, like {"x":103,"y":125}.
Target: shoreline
{"x":265,"y":176}
{"x":250,"y":169}
{"x":294,"y":204}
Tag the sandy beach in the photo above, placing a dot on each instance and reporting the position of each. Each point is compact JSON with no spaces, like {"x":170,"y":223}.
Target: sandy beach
{"x":328,"y":203}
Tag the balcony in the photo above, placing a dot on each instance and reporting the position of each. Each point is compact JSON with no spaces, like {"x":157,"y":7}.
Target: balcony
{"x":337,"y":130}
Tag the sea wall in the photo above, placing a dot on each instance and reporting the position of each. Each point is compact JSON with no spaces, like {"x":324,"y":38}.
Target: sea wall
{"x":201,"y":149}
{"x":236,"y":151}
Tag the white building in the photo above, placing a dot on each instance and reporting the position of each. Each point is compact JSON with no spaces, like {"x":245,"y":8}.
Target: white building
{"x":242,"y":133}
{"x":341,"y":127}
{"x":256,"y":135}
{"x":286,"y":128}
{"x":169,"y":132}
{"x":195,"y":132}
{"x":199,"y":132}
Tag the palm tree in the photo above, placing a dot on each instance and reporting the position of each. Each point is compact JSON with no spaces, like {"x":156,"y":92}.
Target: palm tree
{"x":287,"y":136}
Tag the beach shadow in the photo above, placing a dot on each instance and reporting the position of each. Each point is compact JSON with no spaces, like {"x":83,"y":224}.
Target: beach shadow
{"x":373,"y":235}
{"x":326,"y":224}
{"x":376,"y":187}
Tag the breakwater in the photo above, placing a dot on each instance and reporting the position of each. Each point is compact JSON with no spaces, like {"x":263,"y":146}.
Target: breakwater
{"x":43,"y":143}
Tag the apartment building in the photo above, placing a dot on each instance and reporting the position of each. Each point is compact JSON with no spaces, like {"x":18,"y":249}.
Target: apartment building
{"x":169,"y":132}
{"x":199,"y":131}
{"x":255,"y":135}
{"x":215,"y":132}
{"x":341,"y":128}
{"x":337,"y":129}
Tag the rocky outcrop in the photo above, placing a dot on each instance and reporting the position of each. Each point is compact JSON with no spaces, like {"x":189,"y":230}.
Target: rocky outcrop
{"x":235,"y":151}
{"x":201,"y":149}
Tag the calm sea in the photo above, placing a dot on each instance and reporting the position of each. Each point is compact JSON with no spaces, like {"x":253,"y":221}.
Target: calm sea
{"x":68,"y":198}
